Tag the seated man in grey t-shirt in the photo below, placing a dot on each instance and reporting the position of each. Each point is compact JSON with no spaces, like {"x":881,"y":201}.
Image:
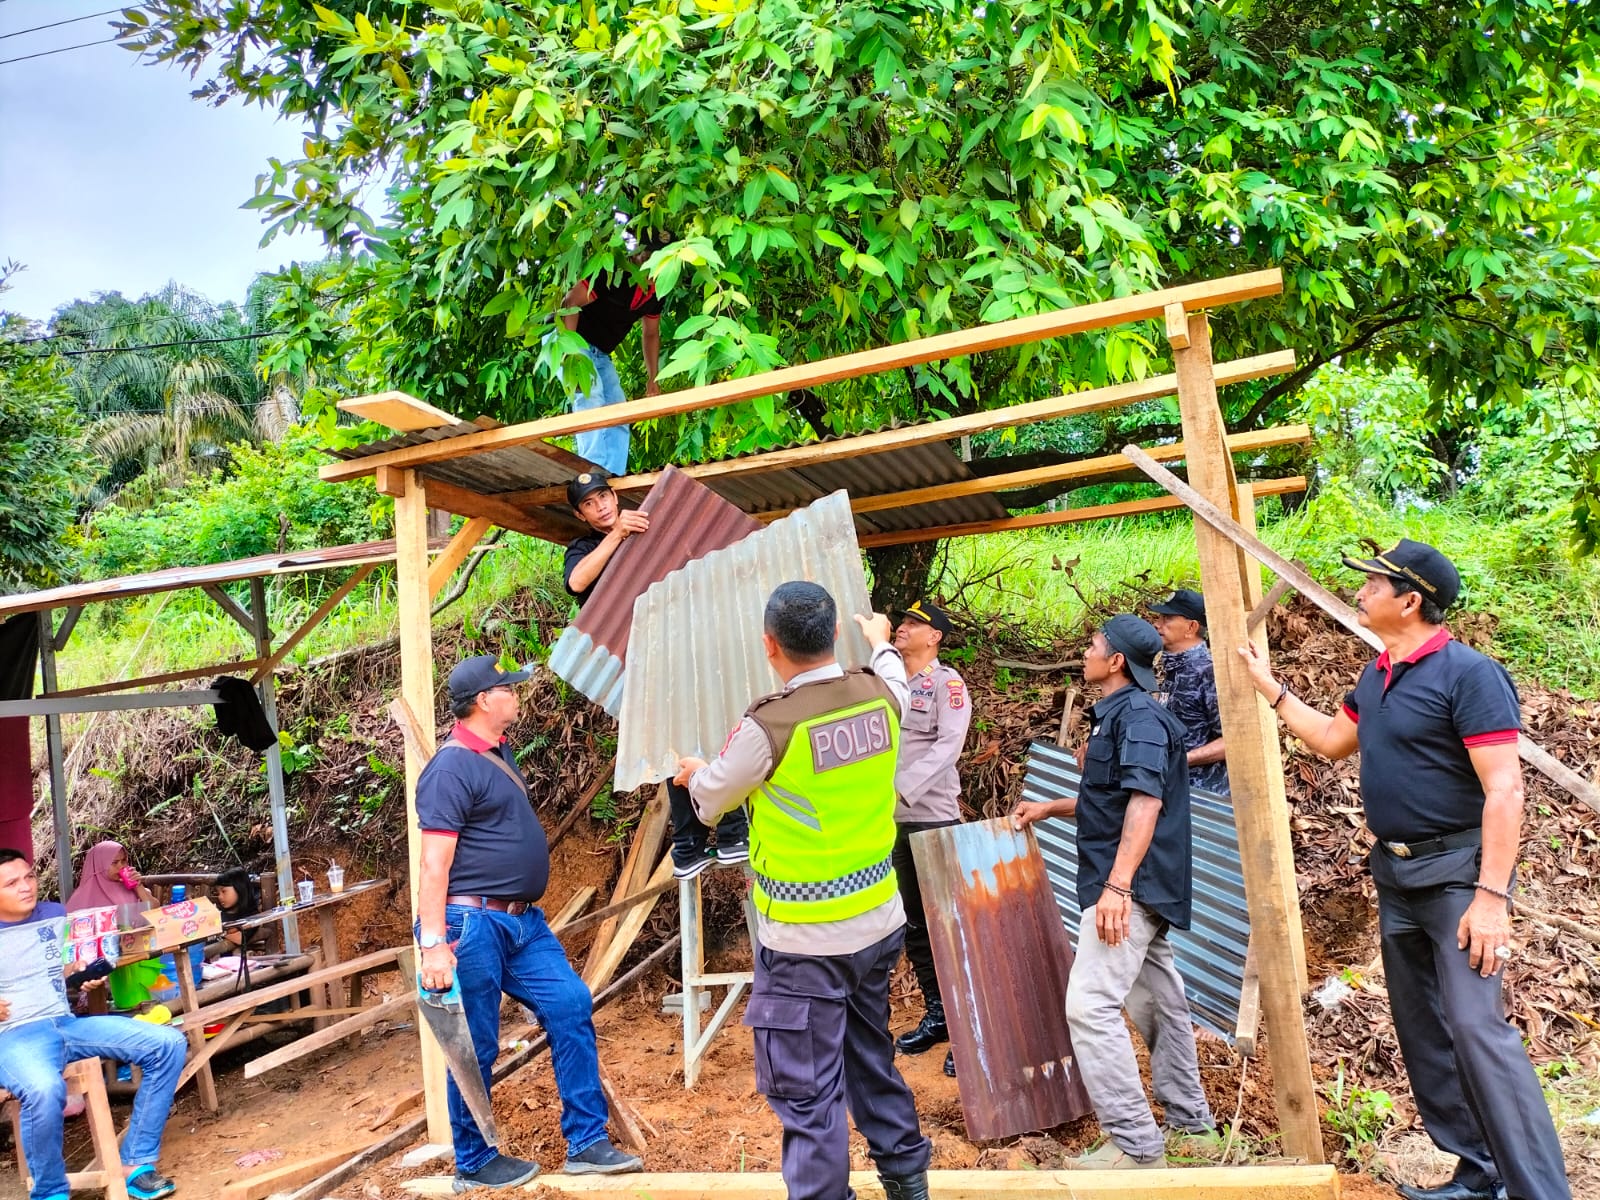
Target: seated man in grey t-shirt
{"x":38,"y":1033}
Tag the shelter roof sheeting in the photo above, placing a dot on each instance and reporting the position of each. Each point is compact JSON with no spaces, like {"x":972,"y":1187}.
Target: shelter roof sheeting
{"x":174,"y":578}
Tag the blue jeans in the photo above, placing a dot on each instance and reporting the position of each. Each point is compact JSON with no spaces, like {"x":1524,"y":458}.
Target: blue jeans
{"x":32,"y":1057}
{"x":606,"y":448}
{"x":496,"y":952}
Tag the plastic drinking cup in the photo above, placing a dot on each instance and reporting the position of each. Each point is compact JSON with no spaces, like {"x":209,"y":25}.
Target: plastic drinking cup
{"x":305,"y":889}
{"x":336,"y":879}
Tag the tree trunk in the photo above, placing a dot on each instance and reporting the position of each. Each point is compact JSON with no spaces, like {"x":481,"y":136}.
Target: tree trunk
{"x":900,"y":574}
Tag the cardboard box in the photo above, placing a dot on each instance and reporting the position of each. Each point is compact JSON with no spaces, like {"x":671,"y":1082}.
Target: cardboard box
{"x":185,"y":921}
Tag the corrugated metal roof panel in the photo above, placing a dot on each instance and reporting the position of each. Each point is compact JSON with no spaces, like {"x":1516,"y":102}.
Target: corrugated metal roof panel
{"x":149,"y":582}
{"x":687,"y":520}
{"x":697,"y":661}
{"x":1004,"y":958}
{"x":1211,"y":953}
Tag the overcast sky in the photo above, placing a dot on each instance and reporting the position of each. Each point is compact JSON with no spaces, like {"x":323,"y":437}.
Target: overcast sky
{"x":113,"y":179}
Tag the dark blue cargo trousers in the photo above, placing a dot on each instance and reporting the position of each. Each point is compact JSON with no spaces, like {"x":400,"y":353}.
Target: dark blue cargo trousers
{"x":822,"y":1045}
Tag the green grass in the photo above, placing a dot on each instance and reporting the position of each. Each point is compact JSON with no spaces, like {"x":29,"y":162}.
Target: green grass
{"x":1546,"y":605}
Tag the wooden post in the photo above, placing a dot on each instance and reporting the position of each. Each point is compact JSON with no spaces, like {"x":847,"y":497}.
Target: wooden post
{"x":1255,"y":768}
{"x":413,"y":599}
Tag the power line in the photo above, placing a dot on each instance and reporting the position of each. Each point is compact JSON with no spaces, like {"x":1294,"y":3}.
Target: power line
{"x":55,"y":24}
{"x":240,"y":337}
{"x":58,"y":50}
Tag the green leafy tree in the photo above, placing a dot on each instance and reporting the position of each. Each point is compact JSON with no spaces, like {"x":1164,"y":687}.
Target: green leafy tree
{"x":841,"y":175}
{"x":42,"y":461}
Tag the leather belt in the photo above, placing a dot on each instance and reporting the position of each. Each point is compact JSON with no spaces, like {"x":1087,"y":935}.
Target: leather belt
{"x":514,"y":908}
{"x":1438,"y":845}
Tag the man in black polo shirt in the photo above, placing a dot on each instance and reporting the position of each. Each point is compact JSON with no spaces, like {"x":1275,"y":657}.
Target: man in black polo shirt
{"x":1189,"y":687}
{"x":485,"y":863}
{"x":1134,"y":883}
{"x":1441,"y":785}
{"x":593,"y":498}
{"x":609,"y":305}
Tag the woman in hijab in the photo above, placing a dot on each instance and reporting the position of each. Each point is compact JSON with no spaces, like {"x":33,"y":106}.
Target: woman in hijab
{"x":108,"y":879}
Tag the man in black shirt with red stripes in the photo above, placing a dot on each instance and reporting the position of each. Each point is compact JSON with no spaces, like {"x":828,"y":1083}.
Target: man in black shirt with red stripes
{"x":1441,"y":785}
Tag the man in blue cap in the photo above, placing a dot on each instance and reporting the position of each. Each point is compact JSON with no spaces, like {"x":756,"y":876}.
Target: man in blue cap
{"x":1134,"y":884}
{"x":1437,"y":725}
{"x":1189,"y":686}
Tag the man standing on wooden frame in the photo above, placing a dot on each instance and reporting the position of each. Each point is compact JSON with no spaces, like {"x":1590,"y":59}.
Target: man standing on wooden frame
{"x":1134,"y":884}
{"x":1189,"y":687}
{"x":1437,"y":725}
{"x":816,"y":762}
{"x":928,"y":791}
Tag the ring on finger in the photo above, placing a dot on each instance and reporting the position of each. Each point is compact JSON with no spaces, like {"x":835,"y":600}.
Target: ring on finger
{"x":1502,"y":952}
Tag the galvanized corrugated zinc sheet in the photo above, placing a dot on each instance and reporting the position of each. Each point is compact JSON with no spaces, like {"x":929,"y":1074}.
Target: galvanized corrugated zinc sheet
{"x":687,"y":520}
{"x":695,"y":661}
{"x":1211,"y":953}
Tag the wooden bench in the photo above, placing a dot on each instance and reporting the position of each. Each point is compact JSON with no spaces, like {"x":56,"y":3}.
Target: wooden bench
{"x":83,"y":1078}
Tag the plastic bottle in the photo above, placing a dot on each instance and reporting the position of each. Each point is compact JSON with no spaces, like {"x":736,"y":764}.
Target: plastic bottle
{"x":180,"y":892}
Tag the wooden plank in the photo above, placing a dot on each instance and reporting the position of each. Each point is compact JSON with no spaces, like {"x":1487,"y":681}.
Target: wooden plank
{"x":391,"y":481}
{"x":317,"y":618}
{"x":1144,"y":306}
{"x":612,"y":911}
{"x":1067,"y":708}
{"x":101,"y":689}
{"x":230,"y":606}
{"x":628,"y":929}
{"x":1174,"y":1183}
{"x":397,"y":410}
{"x":570,"y":910}
{"x":312,"y":1042}
{"x":1279,"y":589}
{"x":539,"y":523}
{"x":1083,"y":468}
{"x":1255,"y":766}
{"x":202,"y":1054}
{"x":289,"y":1175}
{"x":454,"y":554}
{"x":622,"y":1113}
{"x":413,"y":601}
{"x":1249,"y":1022}
{"x":647,"y":841}
{"x":1003,"y":954}
{"x":1066,"y":516}
{"x":246,"y":1001}
{"x":411,"y":732}
{"x":1177,"y":322}
{"x":951,"y":428}
{"x":1531,"y":752}
{"x":199,"y":1053}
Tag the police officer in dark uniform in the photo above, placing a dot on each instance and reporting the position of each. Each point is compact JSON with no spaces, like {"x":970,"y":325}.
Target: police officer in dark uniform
{"x":816,"y":762}
{"x":593,"y":498}
{"x":1441,"y":785}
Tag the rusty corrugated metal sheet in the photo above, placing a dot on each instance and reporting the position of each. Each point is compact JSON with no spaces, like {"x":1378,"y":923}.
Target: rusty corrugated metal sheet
{"x":1210,"y":954}
{"x":687,"y":520}
{"x":125,"y":586}
{"x":697,"y":662}
{"x":1003,"y":960}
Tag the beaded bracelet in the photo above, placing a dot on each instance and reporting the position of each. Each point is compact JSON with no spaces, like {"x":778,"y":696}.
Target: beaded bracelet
{"x":1119,"y":891}
{"x":1494,"y":891}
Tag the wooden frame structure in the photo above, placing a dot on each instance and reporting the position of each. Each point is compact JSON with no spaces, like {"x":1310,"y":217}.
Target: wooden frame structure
{"x":123,"y":694}
{"x":439,"y":471}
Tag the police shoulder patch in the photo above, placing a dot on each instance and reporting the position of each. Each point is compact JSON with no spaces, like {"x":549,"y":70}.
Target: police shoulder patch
{"x":957,"y":692}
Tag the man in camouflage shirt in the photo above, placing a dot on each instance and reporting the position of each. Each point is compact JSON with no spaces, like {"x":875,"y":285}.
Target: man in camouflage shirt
{"x":1189,"y":686}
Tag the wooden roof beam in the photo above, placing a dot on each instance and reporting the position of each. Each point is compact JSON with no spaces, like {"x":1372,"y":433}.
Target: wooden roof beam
{"x":1145,"y":306}
{"x":1067,"y":516}
{"x":1070,"y":404}
{"x":551,"y":526}
{"x":1081,"y":469}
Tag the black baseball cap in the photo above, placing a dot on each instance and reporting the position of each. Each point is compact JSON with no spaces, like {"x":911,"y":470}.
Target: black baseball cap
{"x":929,"y":614}
{"x":480,"y":673}
{"x":1418,"y":566}
{"x":1138,"y":643}
{"x":586,"y":485}
{"x":1185,"y":602}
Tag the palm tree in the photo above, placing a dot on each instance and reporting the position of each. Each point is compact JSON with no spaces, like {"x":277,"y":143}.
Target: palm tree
{"x":167,"y":383}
